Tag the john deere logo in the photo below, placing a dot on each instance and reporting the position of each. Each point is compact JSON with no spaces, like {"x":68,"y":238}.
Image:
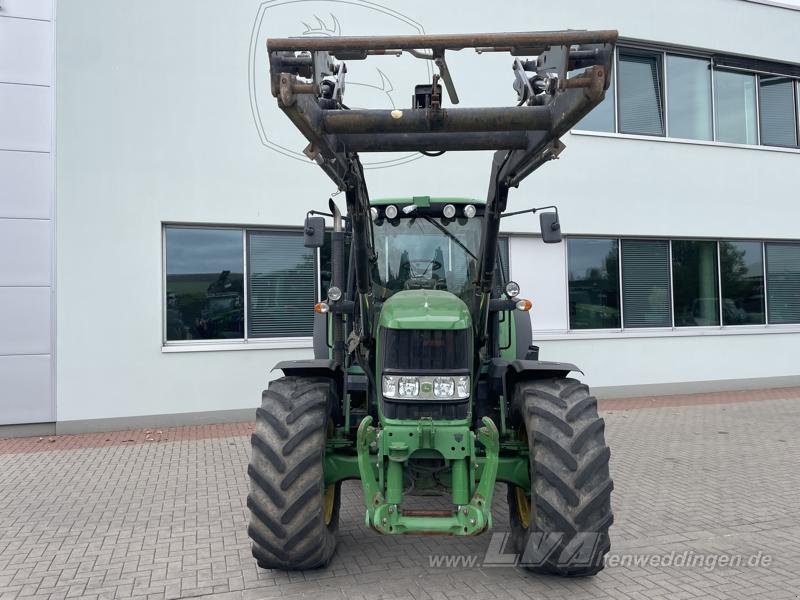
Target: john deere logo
{"x":367,"y":87}
{"x":427,"y":388}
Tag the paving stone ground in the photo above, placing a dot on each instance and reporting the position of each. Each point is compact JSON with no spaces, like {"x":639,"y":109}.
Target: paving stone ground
{"x":120,"y":516}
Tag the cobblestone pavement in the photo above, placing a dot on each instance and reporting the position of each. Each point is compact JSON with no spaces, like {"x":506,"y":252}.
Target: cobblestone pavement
{"x":119,"y":516}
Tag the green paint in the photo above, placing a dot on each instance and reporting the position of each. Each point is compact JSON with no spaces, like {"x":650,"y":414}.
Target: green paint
{"x":421,"y":201}
{"x":424,"y":309}
{"x":388,"y":449}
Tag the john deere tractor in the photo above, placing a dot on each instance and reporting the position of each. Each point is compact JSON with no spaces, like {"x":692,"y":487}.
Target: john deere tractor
{"x":425,"y":379}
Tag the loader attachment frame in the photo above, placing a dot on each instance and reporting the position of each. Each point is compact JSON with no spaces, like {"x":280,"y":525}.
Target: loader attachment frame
{"x":566,"y":77}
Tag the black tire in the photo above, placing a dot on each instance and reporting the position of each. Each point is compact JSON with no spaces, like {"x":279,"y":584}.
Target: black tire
{"x":287,"y":502}
{"x":570,"y":509}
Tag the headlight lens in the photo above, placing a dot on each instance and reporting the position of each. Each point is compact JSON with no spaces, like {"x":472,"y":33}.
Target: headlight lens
{"x":408,"y":387}
{"x":426,"y":387}
{"x":334,"y":293}
{"x":462,"y":387}
{"x":512,"y":289}
{"x":443,"y":387}
{"x":389,"y":386}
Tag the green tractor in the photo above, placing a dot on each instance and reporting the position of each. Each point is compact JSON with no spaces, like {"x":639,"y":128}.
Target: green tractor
{"x":425,"y":380}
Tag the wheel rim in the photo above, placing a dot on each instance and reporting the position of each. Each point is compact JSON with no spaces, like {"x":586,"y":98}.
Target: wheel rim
{"x":330,"y":493}
{"x":523,"y":507}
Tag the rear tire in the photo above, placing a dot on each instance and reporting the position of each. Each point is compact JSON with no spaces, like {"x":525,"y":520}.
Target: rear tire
{"x":293,"y":518}
{"x":568,"y":508}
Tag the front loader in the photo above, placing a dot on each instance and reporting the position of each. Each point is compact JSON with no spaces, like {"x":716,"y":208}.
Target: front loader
{"x":425,"y":380}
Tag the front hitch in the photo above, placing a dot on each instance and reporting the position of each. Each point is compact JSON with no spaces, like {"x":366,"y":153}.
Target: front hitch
{"x":383,"y":455}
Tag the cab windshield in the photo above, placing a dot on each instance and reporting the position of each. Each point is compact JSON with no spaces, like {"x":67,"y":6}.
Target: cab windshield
{"x":426,"y":252}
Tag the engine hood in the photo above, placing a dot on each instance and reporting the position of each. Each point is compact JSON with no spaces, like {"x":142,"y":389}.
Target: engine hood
{"x":424,"y":309}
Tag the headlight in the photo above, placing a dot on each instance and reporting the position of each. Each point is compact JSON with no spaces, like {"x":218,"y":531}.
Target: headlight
{"x":334,"y":293}
{"x":443,"y":387}
{"x":389,"y":386}
{"x":390,"y":211}
{"x":408,"y":387}
{"x":469,"y":211}
{"x":512,"y":289}
{"x":462,"y":387}
{"x":426,"y":387}
{"x":449,"y":211}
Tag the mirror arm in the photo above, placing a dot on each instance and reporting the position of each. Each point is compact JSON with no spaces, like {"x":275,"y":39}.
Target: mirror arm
{"x":529,"y":210}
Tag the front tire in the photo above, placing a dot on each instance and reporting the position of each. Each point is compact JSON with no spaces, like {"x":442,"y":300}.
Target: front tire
{"x":293,"y":517}
{"x":560,"y":526}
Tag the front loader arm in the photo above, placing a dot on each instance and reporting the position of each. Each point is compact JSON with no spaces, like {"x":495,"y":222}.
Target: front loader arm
{"x":308,"y":83}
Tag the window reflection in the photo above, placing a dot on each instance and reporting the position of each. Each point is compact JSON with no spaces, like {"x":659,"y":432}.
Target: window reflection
{"x":735,"y":96}
{"x":695,"y":283}
{"x":742,"y":277}
{"x":204,"y":292}
{"x":689,"y":97}
{"x":593,"y":283}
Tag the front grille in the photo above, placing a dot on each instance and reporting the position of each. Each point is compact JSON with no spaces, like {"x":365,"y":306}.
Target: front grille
{"x":425,"y":350}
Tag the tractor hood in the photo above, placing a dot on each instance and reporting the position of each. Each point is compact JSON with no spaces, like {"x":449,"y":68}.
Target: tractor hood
{"x":424,"y":309}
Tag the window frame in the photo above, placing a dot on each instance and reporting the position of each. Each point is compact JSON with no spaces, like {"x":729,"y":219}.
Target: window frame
{"x":246,"y":342}
{"x":793,"y":86}
{"x":662,"y":85}
{"x":664,"y":50}
{"x":618,"y":240}
{"x":767,"y":326}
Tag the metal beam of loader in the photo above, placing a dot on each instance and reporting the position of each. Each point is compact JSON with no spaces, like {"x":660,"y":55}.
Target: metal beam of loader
{"x":425,"y":380}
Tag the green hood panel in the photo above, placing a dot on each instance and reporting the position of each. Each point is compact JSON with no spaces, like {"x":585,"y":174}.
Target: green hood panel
{"x":424,"y":309}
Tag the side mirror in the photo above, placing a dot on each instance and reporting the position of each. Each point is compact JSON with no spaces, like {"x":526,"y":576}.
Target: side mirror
{"x":314,"y":232}
{"x":551,"y":228}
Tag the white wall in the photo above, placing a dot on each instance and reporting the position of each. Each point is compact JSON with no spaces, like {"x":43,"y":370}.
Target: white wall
{"x":156,"y":123}
{"x":26,"y":225}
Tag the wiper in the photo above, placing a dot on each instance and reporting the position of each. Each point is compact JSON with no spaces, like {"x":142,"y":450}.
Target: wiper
{"x":443,"y":229}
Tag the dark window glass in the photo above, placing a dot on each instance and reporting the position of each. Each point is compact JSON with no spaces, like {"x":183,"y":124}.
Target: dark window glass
{"x":645,"y":283}
{"x":640,"y":98}
{"x":689,"y":97}
{"x":783,"y":283}
{"x":593,"y":283}
{"x":742,"y":274}
{"x":204,"y":284}
{"x":777,"y":110}
{"x":282,"y":285}
{"x":325,"y":265}
{"x":601,"y":117}
{"x":695,"y":280}
{"x":735,"y":98}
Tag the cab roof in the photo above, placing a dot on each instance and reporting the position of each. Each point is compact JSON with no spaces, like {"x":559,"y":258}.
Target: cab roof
{"x":423,"y":201}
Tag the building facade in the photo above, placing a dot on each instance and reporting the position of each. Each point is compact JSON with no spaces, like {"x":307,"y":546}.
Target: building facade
{"x":151,"y":261}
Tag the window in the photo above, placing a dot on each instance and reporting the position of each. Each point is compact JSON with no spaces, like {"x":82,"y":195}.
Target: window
{"x":777,"y":111}
{"x":281,"y":285}
{"x":593,"y":266}
{"x":645,"y":283}
{"x":689,"y":97}
{"x":723,"y":98}
{"x":696,"y":283}
{"x":204,"y":284}
{"x":640,"y":93}
{"x":783,"y":282}
{"x":735,"y":98}
{"x":742,"y":276}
